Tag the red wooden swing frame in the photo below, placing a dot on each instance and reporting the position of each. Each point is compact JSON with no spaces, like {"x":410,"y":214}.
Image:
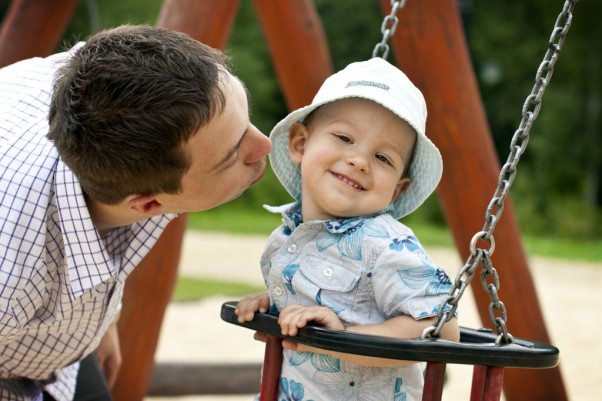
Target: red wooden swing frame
{"x":430,"y":47}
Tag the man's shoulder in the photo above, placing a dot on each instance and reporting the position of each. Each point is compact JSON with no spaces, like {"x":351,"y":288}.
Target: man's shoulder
{"x":26,"y":88}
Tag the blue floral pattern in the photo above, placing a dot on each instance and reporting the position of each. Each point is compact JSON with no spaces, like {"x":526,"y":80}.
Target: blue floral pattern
{"x":320,"y":362}
{"x":349,"y":235}
{"x":430,"y":275}
{"x":337,"y":309}
{"x":410,"y":243}
{"x":293,"y":390}
{"x":399,"y":394}
{"x":287,"y":274}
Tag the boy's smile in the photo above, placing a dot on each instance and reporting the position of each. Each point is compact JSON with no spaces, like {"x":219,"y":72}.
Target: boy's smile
{"x":348,"y":181}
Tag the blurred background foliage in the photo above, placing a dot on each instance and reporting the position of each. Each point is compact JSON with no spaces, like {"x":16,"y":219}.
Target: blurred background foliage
{"x":558,"y":190}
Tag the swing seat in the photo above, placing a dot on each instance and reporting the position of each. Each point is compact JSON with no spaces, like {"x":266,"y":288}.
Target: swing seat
{"x":476,"y":347}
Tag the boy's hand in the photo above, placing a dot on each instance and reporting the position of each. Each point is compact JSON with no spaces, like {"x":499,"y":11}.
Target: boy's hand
{"x":293,"y":317}
{"x":248,"y":305}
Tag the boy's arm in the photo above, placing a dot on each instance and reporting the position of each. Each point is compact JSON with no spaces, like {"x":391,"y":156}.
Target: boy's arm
{"x":408,"y":327}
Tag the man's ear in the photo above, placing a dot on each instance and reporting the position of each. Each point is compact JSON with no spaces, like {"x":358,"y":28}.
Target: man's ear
{"x":145,"y":204}
{"x":297,"y":138}
{"x":401,"y":187}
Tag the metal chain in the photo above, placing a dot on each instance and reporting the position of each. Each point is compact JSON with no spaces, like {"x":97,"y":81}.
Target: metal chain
{"x":482,"y":256}
{"x":388,"y":28}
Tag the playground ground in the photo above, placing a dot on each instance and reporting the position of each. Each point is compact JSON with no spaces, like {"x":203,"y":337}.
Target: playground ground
{"x":569,"y":294}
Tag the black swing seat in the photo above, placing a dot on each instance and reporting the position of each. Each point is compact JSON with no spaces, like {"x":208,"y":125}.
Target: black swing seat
{"x":476,"y":347}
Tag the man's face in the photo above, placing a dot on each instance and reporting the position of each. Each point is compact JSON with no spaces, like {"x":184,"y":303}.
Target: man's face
{"x":228,"y":156}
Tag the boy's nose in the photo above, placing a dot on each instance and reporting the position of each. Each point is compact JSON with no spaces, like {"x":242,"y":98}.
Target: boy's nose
{"x":359,"y":162}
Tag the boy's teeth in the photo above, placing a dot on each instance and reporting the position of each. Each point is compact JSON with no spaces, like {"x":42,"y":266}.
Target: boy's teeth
{"x":354,"y":185}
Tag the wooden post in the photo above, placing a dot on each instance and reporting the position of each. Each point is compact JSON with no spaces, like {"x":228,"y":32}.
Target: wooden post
{"x":33,"y":28}
{"x":297,"y":44}
{"x":149,"y":289}
{"x":272,"y":364}
{"x":147,"y":292}
{"x":478,"y":382}
{"x":430,"y":47}
{"x":494,"y":378}
{"x":434,"y":378}
{"x":207,"y":21}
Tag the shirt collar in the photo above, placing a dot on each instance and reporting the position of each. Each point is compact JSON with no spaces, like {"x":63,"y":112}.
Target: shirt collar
{"x":292,"y":218}
{"x":88,"y":263}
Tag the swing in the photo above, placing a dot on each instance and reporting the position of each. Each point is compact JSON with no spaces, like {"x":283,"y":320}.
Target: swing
{"x":490,"y":352}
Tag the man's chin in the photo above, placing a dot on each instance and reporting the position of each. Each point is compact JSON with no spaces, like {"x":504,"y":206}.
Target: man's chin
{"x":255,"y":181}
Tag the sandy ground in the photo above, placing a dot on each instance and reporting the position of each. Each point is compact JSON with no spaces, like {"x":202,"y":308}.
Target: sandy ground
{"x":569,"y":294}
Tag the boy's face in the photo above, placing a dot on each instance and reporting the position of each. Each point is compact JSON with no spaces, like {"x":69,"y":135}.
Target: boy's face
{"x":228,"y":156}
{"x":353,"y":155}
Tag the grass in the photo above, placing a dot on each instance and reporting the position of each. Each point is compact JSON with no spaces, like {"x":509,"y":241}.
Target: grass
{"x":563,"y":248}
{"x":234,"y":220}
{"x":191,"y":289}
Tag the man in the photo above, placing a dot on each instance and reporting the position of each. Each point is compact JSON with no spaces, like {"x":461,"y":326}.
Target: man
{"x":101,"y":147}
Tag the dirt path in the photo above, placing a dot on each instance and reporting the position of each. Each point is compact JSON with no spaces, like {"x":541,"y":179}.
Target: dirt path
{"x":569,"y":294}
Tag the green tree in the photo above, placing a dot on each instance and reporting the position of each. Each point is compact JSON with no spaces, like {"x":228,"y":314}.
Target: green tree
{"x":559,"y":185}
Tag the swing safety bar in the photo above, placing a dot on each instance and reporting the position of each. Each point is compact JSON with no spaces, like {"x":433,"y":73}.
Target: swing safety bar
{"x":476,"y":347}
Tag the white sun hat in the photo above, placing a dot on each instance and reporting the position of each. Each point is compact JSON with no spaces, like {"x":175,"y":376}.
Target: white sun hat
{"x":385,"y":84}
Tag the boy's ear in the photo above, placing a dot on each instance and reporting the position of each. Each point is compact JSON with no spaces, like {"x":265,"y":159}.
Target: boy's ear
{"x":145,"y":204}
{"x":297,"y":138}
{"x":401,"y":187}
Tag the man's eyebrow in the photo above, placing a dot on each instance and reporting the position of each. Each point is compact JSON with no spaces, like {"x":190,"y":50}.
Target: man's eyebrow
{"x":223,"y":162}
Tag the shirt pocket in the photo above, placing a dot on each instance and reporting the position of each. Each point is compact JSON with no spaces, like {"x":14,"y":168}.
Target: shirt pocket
{"x":334,"y":281}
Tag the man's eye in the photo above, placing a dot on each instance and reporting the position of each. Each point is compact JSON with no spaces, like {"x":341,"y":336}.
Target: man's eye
{"x":231,"y":161}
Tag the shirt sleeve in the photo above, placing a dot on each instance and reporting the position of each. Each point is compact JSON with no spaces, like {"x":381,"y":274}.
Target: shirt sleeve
{"x":406,"y":281}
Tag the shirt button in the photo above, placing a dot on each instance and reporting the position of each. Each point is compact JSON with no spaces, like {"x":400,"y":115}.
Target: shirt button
{"x":292,"y":248}
{"x":328,"y":272}
{"x":278,"y":291}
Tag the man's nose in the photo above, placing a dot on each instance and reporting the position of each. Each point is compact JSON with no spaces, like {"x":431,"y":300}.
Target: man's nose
{"x":257,"y":146}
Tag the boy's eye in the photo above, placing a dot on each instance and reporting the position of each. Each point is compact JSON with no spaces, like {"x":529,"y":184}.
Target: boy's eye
{"x":343,"y":138}
{"x":384,"y":159}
